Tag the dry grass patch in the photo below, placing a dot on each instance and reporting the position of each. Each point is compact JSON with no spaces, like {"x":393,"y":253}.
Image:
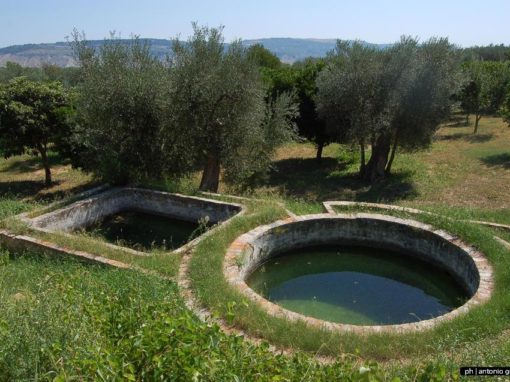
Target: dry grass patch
{"x":468,"y":170}
{"x":459,"y":169}
{"x":23,"y":177}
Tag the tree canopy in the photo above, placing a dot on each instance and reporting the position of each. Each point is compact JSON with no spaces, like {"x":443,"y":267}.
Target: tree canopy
{"x":505,"y":108}
{"x":33,"y":116}
{"x":119,"y":111}
{"x":300,"y":78}
{"x":67,"y":76}
{"x":218,"y":108}
{"x":490,"y":52}
{"x":263,"y":57}
{"x":387,"y":98}
{"x":486,"y":84}
{"x":204,"y":108}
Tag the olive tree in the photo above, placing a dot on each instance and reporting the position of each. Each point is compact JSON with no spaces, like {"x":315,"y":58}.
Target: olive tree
{"x":423,"y":93}
{"x":33,"y":117}
{"x":347,"y":97}
{"x":218,"y":109}
{"x":119,"y":110}
{"x":387,"y":98}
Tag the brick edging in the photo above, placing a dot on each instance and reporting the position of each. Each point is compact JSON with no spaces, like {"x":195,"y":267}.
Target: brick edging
{"x":242,"y":247}
{"x":329,"y":204}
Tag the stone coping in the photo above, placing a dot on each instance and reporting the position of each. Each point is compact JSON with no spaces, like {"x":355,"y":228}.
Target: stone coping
{"x":114,"y":200}
{"x":246,"y":252}
{"x":330,"y":204}
{"x":21,"y":243}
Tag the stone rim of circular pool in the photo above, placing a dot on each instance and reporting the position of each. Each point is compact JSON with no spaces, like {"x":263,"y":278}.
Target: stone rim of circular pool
{"x":245,"y":254}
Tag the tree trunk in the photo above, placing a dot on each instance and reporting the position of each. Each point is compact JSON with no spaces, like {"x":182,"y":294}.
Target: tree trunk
{"x":376,"y":166}
{"x":477,"y":119}
{"x":467,"y":119}
{"x":46,"y":165}
{"x":211,"y":174}
{"x":318,"y":157}
{"x":363,"y":165}
{"x":392,"y":156}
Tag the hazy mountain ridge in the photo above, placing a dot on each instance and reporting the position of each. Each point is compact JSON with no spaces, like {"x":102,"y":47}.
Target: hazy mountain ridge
{"x":287,"y":49}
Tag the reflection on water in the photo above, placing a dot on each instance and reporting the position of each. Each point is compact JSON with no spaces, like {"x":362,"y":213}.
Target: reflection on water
{"x":143,"y":231}
{"x":361,"y":286}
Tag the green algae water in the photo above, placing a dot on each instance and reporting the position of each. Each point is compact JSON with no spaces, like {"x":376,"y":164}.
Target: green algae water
{"x":143,"y":231}
{"x":359,"y":286}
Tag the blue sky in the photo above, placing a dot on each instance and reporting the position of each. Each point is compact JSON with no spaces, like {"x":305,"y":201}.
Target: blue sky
{"x":466,"y":22}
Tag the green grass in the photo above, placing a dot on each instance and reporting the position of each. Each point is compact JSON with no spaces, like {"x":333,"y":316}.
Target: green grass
{"x":164,"y":263}
{"x":459,"y":169}
{"x":10,"y":206}
{"x":478,"y":325}
{"x":64,"y":320}
{"x":501,"y":216}
{"x":60,"y":318}
{"x":22,"y":177}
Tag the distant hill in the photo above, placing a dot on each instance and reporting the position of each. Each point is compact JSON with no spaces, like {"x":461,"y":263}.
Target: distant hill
{"x":288,"y":50}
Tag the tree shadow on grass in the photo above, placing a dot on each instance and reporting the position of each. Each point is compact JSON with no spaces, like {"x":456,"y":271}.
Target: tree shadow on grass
{"x":398,"y":186}
{"x":26,"y":165}
{"x":458,"y":121}
{"x":468,"y":137}
{"x":303,"y":178}
{"x":38,"y":191}
{"x":450,"y":137}
{"x":498,"y":160}
{"x":21,"y":189}
{"x":479,"y":138}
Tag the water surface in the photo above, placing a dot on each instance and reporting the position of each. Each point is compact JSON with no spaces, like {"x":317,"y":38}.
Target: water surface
{"x":143,"y":231}
{"x":360,"y":286}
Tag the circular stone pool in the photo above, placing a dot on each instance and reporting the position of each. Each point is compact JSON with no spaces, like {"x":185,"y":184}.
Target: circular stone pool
{"x":362,"y":272}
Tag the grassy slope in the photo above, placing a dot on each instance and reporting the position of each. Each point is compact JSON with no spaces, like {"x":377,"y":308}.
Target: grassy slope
{"x":458,"y":172}
{"x":22,"y":177}
{"x":61,"y":320}
{"x":455,"y":337}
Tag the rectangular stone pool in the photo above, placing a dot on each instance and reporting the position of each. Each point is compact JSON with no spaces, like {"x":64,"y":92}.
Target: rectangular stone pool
{"x":139,"y":219}
{"x":142,"y":231}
